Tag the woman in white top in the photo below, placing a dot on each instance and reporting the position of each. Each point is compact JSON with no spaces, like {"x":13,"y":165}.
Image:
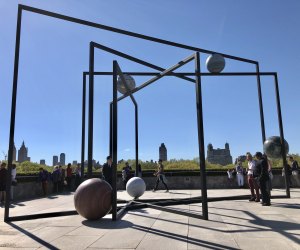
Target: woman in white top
{"x":13,"y":180}
{"x":251,"y":181}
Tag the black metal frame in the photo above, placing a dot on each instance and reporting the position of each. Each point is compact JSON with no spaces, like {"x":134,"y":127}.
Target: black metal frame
{"x":197,"y":75}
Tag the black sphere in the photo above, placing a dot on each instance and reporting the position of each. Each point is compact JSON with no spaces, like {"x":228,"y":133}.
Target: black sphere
{"x":273,"y":149}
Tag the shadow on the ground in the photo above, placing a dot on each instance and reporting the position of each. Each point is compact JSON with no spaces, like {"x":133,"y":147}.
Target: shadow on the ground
{"x":32,"y":236}
{"x":107,"y":223}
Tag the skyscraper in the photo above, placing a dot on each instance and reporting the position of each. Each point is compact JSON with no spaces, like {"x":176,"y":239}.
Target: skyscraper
{"x":23,"y":154}
{"x":55,"y":160}
{"x":163,"y":152}
{"x":62,"y":159}
{"x":42,"y":162}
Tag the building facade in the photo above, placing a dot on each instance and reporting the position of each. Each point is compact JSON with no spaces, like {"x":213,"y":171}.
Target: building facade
{"x":62,"y":159}
{"x":42,"y":162}
{"x":23,"y":153}
{"x":219,"y":156}
{"x":55,"y":160}
{"x":163,"y":152}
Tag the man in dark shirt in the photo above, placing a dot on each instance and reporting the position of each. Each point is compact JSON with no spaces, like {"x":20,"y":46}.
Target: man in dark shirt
{"x":263,"y":178}
{"x":3,"y":175}
{"x":107,"y":170}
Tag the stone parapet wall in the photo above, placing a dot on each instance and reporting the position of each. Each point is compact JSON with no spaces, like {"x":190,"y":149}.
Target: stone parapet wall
{"x":28,"y":187}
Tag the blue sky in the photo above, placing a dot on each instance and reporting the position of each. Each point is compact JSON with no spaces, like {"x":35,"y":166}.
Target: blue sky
{"x":54,"y":53}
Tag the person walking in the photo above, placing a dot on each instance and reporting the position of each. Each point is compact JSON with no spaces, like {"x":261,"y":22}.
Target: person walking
{"x":160,"y":176}
{"x":251,"y":174}
{"x":239,"y":174}
{"x":263,"y":177}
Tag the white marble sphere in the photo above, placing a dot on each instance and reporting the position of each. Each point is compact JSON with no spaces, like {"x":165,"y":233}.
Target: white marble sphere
{"x":130,"y":83}
{"x":215,"y":63}
{"x":135,"y":187}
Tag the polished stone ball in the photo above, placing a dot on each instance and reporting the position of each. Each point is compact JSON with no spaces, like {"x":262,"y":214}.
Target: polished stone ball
{"x":135,"y":187}
{"x":215,"y":63}
{"x":130,"y":83}
{"x":92,"y":199}
{"x":272,"y":147}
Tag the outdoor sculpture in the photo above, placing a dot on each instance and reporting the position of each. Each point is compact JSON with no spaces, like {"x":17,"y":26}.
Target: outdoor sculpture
{"x":135,"y":187}
{"x":92,"y":199}
{"x":130,"y":83}
{"x":273,"y":149}
{"x":215,"y":63}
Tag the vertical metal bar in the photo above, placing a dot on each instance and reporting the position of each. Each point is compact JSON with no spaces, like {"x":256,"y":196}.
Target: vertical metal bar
{"x":201,"y":136}
{"x":83,"y":125}
{"x":136,"y":140}
{"x":114,"y":142}
{"x":283,"y":152}
{"x":110,"y":127}
{"x":13,"y":113}
{"x":261,"y":110}
{"x":91,"y":111}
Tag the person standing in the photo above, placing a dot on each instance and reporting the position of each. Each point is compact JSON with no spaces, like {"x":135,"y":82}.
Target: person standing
{"x":239,"y":174}
{"x":251,"y":174}
{"x":13,"y":180}
{"x":160,"y":176}
{"x":69,"y":176}
{"x":263,"y":177}
{"x":295,"y":166}
{"x":43,"y":179}
{"x":107,"y":170}
{"x":126,"y":174}
{"x":3,"y":175}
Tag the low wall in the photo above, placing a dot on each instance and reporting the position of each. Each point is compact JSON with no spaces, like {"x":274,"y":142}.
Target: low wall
{"x":28,"y":187}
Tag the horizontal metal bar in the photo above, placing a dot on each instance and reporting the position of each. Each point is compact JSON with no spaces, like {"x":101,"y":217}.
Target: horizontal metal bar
{"x":43,"y":215}
{"x":106,"y":73}
{"x":128,"y":33}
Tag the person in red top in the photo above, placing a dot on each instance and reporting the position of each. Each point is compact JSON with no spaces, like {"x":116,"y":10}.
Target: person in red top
{"x":69,"y":176}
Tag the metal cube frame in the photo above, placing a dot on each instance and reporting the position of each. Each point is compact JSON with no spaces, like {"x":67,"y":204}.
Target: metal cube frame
{"x":157,"y":204}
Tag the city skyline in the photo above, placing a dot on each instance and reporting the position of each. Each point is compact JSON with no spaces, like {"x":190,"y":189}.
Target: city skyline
{"x":54,"y":54}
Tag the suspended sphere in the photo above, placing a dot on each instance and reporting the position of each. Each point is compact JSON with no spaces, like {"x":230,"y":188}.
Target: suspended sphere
{"x":273,"y":149}
{"x":135,"y":187}
{"x":130,"y":83}
{"x":215,"y":63}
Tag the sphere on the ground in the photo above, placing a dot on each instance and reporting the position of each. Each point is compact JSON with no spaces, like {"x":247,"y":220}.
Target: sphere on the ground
{"x":130,"y":83}
{"x":92,"y":199}
{"x":273,"y":149}
{"x":215,"y":63}
{"x":135,"y":187}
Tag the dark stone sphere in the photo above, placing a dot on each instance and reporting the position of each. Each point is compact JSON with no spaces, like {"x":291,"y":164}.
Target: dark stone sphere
{"x":272,"y":147}
{"x":92,"y":199}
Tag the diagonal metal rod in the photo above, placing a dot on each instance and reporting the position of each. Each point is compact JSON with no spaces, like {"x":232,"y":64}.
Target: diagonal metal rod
{"x":134,"y":59}
{"x":160,"y":75}
{"x":128,"y":33}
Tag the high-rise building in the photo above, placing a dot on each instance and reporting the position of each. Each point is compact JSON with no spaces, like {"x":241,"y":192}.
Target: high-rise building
{"x":62,"y":159}
{"x":55,"y":160}
{"x":163,"y":152}
{"x":74,"y":163}
{"x":42,"y":162}
{"x":23,"y":154}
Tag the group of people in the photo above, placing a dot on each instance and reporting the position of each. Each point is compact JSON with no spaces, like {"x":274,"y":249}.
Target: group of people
{"x":126,"y":173}
{"x":3,"y":180}
{"x":61,"y":178}
{"x":292,"y":170}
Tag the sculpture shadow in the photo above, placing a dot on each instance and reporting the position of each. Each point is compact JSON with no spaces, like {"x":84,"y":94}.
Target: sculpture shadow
{"x":107,"y":223}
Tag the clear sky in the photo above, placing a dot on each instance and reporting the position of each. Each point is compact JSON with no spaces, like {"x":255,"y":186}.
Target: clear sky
{"x":54,"y":54}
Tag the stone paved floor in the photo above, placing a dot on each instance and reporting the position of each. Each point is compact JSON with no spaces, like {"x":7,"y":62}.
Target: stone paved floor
{"x":231,"y":225}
